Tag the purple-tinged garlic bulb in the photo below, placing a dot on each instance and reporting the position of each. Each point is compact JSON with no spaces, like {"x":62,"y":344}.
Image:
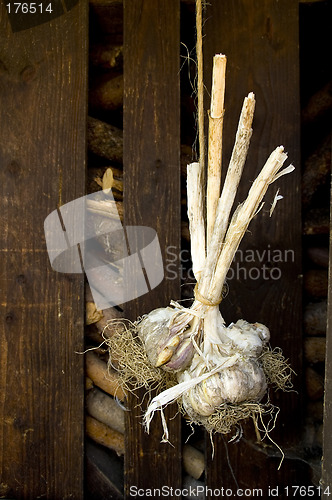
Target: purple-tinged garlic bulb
{"x":165,"y":349}
{"x":243,"y":380}
{"x":227,"y":371}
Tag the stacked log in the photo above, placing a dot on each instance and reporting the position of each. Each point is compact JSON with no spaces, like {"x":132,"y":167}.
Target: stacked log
{"x":316,"y":158}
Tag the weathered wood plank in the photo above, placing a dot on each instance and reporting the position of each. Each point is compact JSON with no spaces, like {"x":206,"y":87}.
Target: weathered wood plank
{"x":152,"y":197}
{"x":42,"y":166}
{"x":327,"y":444}
{"x":98,"y":485}
{"x":260,"y":39}
{"x":102,"y":463}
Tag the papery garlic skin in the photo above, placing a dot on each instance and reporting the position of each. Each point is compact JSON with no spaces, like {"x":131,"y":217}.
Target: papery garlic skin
{"x":242,"y":380}
{"x":245,"y":381}
{"x":165,"y":350}
{"x":248,"y":338}
{"x":153,"y":330}
{"x":181,"y":357}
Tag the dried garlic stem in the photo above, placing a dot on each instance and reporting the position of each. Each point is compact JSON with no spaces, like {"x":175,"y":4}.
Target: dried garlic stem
{"x":216,"y":117}
{"x":232,"y":180}
{"x":239,"y":155}
{"x":200,"y":87}
{"x":196,"y":216}
{"x":241,"y":219}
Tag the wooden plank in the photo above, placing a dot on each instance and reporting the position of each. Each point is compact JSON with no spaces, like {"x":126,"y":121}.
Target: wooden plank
{"x":42,"y":166}
{"x":103,"y":472}
{"x":98,"y":485}
{"x":152,"y":198}
{"x":326,"y":481}
{"x":260,"y":39}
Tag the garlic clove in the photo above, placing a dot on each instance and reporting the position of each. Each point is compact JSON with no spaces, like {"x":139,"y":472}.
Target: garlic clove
{"x":262,"y":331}
{"x":248,"y":338}
{"x":167,"y":351}
{"x":153,"y":330}
{"x":181,"y":357}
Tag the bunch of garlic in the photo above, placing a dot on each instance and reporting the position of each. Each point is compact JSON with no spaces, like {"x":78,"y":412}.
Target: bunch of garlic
{"x":220,"y":370}
{"x":215,"y":365}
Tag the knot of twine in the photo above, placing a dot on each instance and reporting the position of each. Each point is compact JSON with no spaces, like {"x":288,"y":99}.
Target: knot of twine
{"x":204,"y":300}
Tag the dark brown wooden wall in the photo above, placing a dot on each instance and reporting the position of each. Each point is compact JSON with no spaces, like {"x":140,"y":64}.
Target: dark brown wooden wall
{"x":327,"y":443}
{"x":42,"y":166}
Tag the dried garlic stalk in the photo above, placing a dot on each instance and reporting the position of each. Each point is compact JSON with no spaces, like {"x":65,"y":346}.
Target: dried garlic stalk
{"x":216,"y":118}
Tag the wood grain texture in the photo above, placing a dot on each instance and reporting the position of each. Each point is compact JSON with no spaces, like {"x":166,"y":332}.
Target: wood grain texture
{"x":99,"y":487}
{"x":327,"y":444}
{"x":260,"y":40}
{"x":42,"y":166}
{"x":152,"y":198}
{"x":103,"y":473}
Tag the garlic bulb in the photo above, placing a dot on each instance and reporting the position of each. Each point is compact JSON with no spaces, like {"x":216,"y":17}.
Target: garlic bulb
{"x":248,"y":338}
{"x":165,"y":349}
{"x":244,"y":381}
{"x":220,"y":372}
